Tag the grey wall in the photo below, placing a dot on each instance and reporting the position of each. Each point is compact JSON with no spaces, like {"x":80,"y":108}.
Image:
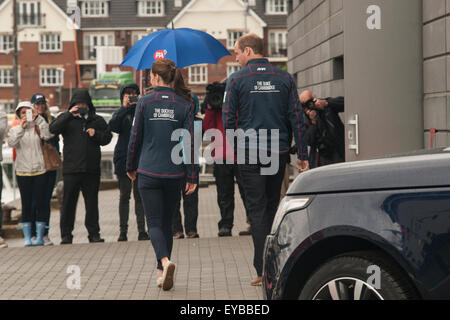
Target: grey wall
{"x":436,"y":49}
{"x":383,"y":70}
{"x":383,"y":76}
{"x":316,"y":37}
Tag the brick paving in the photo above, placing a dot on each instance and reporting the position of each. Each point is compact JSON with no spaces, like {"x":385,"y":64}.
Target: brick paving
{"x":207,"y":268}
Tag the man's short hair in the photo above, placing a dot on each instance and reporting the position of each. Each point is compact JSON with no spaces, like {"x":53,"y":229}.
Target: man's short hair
{"x":252,"y":41}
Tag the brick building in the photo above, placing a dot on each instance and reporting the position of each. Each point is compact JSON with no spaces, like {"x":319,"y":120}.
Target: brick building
{"x":123,"y":23}
{"x":46,"y":52}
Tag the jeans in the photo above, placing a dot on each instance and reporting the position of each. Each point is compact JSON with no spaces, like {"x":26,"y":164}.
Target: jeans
{"x":160,"y":198}
{"x":32,"y":191}
{"x":50,"y":180}
{"x":262,"y":198}
{"x":190,"y":209}
{"x":88,"y":184}
{"x":225,"y":175}
{"x":125,"y":186}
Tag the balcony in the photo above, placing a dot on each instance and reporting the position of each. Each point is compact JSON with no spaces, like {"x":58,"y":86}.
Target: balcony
{"x":31,"y":21}
{"x":277,"y":52}
{"x":89,"y":52}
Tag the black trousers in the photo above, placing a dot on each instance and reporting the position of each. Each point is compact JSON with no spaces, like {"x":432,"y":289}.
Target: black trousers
{"x":190,"y":209}
{"x":88,"y":184}
{"x":125,"y":186}
{"x":49,"y":185}
{"x":225,"y":175}
{"x":32,"y":190}
{"x":262,"y":198}
{"x":160,"y":198}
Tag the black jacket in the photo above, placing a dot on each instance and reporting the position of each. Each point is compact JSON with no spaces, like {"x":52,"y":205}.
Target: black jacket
{"x":151,"y":146}
{"x":81,"y":153}
{"x":326,"y":138}
{"x":121,"y":123}
{"x":261,"y":96}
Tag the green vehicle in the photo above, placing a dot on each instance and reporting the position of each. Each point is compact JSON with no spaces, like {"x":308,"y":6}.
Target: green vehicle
{"x":105,"y":91}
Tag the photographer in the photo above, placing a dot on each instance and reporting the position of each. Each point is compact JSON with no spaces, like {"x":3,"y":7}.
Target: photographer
{"x":325,"y":129}
{"x":121,"y":123}
{"x":225,"y":174}
{"x":84,"y":132}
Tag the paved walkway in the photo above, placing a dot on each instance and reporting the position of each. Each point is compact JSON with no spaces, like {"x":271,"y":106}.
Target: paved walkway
{"x":207,"y":268}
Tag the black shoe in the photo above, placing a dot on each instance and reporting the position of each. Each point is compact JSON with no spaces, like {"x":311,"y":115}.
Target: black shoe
{"x":224,"y":232}
{"x":192,"y":235}
{"x":95,"y":239}
{"x":122,"y":237}
{"x":178,"y":235}
{"x":247,"y":232}
{"x":66,"y":240}
{"x":143,"y":236}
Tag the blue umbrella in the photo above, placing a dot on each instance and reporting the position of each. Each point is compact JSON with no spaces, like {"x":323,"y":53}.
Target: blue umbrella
{"x":183,"y":46}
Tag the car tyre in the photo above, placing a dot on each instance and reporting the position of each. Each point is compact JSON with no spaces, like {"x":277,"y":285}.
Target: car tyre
{"x":354,"y":276}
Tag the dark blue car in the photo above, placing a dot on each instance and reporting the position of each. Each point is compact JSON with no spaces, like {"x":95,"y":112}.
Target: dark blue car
{"x":374,"y":230}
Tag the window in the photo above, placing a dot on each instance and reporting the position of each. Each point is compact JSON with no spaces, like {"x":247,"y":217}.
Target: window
{"x":51,"y":77}
{"x":278,"y":44}
{"x":151,"y":8}
{"x":276,"y":6}
{"x":6,"y":43}
{"x":232,"y":68}
{"x":91,"y":41}
{"x":8,"y":107}
{"x":198,"y":74}
{"x":29,"y":13}
{"x":50,"y":42}
{"x":137,"y":37}
{"x":232,"y":38}
{"x":6,"y":77}
{"x":94,"y":8}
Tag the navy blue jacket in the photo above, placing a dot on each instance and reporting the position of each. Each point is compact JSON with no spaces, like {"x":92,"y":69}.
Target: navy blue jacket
{"x":121,"y":123}
{"x":261,"y":96}
{"x":150,"y":147}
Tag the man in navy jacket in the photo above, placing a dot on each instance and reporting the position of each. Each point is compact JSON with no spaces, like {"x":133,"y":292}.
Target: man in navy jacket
{"x":262,"y":97}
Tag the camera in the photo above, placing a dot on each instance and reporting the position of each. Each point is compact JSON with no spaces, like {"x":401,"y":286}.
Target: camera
{"x":83,"y":110}
{"x":134,"y":99}
{"x":310,"y":105}
{"x":214,"y":95}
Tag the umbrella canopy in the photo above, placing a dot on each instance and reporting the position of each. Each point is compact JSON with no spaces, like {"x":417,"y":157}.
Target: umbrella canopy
{"x":183,"y":46}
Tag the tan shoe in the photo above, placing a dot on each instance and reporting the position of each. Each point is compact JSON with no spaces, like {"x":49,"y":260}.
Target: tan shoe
{"x":257,"y":282}
{"x":168,"y":273}
{"x":159,"y":282}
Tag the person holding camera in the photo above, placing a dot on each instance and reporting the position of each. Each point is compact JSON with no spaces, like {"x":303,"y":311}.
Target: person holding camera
{"x":225,"y":174}
{"x":325,"y":129}
{"x":30,"y":168}
{"x":121,"y":123}
{"x":84,"y":132}
{"x":40,"y":104}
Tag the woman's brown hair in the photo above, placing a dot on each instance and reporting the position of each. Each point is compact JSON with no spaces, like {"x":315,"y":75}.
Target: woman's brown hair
{"x":171,"y":75}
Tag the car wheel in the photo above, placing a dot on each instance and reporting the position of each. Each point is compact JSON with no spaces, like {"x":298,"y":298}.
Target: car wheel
{"x":358,"y":276}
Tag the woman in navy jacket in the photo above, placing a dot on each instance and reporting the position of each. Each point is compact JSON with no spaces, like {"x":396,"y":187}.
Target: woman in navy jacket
{"x":150,"y":147}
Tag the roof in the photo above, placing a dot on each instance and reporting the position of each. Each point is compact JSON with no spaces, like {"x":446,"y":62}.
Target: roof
{"x":123,"y":14}
{"x":272,"y":20}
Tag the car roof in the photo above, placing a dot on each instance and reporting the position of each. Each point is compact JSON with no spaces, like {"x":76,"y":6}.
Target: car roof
{"x":418,"y":169}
